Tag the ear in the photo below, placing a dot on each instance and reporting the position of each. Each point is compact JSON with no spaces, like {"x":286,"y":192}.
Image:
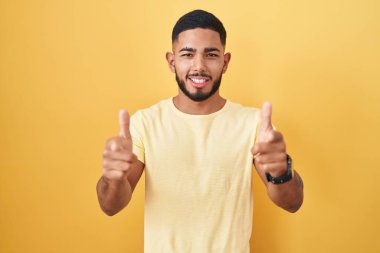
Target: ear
{"x":227,"y":58}
{"x":170,"y":60}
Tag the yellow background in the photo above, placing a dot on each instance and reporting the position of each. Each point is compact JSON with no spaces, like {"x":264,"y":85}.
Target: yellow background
{"x":66,"y":67}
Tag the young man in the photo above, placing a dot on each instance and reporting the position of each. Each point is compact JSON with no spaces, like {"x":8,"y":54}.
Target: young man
{"x":197,"y":149}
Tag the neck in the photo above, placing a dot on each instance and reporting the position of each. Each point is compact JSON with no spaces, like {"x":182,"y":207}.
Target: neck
{"x":208,"y":106}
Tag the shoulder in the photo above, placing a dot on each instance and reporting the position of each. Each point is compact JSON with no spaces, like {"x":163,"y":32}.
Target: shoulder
{"x":239,"y":110}
{"x":152,"y":112}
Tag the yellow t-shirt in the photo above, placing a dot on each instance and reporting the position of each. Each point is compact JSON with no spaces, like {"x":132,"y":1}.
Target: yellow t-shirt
{"x":198,"y":189}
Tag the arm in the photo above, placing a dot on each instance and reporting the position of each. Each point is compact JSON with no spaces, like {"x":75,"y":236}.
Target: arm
{"x":115,"y":193}
{"x":288,"y":195}
{"x":121,"y":170}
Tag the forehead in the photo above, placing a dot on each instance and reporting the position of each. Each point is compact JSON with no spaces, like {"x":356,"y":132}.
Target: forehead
{"x":198,"y":38}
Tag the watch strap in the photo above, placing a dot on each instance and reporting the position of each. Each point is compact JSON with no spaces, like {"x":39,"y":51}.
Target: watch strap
{"x":284,"y":178}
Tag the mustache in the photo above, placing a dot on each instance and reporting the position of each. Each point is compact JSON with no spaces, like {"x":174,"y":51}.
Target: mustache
{"x":198,"y":74}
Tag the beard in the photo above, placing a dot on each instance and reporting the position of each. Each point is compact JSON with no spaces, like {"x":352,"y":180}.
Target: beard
{"x":198,"y":95}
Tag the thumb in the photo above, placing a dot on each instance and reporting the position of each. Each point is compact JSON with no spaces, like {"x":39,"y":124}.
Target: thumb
{"x":266,"y":117}
{"x":124,"y":124}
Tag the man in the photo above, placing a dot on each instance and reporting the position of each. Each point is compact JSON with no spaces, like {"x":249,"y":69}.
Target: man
{"x":197,"y":150}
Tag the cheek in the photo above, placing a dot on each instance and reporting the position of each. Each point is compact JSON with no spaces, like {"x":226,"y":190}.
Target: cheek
{"x":216,"y":67}
{"x":181,"y":68}
{"x":216,"y":63}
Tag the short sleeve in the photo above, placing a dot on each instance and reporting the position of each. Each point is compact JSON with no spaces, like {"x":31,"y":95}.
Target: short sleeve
{"x":137,"y":129}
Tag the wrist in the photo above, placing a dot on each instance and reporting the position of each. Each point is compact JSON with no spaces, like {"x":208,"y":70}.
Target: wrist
{"x":284,"y":177}
{"x":115,"y":182}
{"x":279,"y":173}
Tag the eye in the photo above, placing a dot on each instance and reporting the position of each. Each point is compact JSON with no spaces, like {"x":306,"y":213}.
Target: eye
{"x":212,"y":55}
{"x":187,"y":55}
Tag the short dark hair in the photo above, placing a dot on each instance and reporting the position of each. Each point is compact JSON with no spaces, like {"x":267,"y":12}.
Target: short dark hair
{"x":199,"y":19}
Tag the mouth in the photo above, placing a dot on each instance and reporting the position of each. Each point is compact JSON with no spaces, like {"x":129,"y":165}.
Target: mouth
{"x":199,"y":81}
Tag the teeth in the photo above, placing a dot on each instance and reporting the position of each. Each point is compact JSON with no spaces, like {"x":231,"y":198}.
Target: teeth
{"x":198,"y":80}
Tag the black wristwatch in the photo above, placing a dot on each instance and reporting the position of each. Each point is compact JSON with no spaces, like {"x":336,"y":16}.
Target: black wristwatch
{"x":284,"y":178}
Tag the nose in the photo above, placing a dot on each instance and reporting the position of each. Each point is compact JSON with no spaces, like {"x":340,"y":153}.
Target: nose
{"x":199,"y":63}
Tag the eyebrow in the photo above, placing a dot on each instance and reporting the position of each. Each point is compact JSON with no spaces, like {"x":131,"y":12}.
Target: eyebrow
{"x":206,"y":50}
{"x":187,"y":49}
{"x":211,"y":49}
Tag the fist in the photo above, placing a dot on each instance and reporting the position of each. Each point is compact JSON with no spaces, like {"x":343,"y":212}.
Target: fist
{"x":117,"y":154}
{"x":269,"y":153}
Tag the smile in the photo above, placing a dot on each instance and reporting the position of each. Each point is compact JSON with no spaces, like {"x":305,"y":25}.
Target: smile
{"x":198,"y":82}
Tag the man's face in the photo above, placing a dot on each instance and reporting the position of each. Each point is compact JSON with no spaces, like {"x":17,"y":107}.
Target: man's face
{"x":198,"y":61}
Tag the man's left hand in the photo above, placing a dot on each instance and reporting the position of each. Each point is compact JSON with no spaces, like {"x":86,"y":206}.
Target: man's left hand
{"x":269,"y":152}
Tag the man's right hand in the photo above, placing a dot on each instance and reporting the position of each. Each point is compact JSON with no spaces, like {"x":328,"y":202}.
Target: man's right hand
{"x":117,"y":154}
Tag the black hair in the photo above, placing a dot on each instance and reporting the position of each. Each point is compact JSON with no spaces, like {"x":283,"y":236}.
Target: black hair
{"x":199,"y":19}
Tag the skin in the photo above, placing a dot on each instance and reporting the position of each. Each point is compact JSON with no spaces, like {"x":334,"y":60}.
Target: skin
{"x":121,"y":170}
{"x":270,"y":157}
{"x":197,"y":53}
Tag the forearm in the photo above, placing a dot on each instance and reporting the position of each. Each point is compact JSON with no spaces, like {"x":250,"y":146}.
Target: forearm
{"x":113,"y":195}
{"x":289,"y":195}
